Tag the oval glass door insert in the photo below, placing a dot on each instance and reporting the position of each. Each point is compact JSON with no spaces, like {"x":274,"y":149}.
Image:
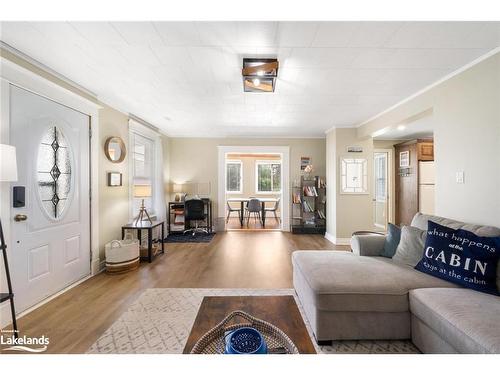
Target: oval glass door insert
{"x":54,"y":173}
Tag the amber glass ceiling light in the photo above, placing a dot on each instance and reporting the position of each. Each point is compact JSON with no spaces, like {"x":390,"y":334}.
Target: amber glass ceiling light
{"x":259,"y":75}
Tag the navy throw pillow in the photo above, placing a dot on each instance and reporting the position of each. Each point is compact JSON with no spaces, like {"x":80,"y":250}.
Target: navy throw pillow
{"x":461,"y":257}
{"x":391,"y":240}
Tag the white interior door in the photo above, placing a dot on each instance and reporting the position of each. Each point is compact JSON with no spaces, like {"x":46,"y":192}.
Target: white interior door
{"x":51,"y":247}
{"x":381,"y":196}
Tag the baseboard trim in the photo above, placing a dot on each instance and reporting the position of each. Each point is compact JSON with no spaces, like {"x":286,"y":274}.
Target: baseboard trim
{"x":343,"y":241}
{"x":102,"y":267}
{"x":337,"y":240}
{"x":330,"y":237}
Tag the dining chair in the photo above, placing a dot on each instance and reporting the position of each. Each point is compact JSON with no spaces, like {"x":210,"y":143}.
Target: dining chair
{"x":254,"y":206}
{"x":231,"y":209}
{"x":274,"y":210}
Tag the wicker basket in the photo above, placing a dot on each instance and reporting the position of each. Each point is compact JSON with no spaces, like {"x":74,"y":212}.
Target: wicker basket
{"x":213,"y":342}
{"x":122,"y":256}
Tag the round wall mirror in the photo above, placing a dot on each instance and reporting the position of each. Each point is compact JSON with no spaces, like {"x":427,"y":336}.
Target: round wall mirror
{"x":115,"y":150}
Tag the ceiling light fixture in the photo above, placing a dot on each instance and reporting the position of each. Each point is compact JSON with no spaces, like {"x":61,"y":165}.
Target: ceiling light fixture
{"x":259,"y":74}
{"x":401,"y":127}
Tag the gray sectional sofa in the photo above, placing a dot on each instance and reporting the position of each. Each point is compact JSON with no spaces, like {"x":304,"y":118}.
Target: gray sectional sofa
{"x":361,"y":295}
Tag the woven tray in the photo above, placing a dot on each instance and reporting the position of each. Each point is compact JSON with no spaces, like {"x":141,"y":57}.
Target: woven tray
{"x":213,"y":341}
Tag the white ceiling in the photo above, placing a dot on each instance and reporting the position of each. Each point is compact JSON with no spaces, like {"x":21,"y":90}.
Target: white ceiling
{"x":185,"y":77}
{"x":422,"y":127}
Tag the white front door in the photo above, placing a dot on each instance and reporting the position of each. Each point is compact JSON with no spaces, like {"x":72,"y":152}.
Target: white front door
{"x":51,"y":247}
{"x":380,"y":199}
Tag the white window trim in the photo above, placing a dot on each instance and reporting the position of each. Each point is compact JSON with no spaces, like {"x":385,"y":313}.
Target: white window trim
{"x":235,"y":161}
{"x":264,"y":162}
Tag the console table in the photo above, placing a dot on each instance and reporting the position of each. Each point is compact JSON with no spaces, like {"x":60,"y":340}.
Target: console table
{"x":147,"y":226}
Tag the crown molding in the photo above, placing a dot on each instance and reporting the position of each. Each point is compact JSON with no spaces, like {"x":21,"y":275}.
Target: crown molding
{"x":432,"y":85}
{"x":45,"y":68}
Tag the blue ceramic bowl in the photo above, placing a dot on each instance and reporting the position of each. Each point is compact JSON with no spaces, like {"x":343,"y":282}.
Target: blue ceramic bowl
{"x":245,"y":340}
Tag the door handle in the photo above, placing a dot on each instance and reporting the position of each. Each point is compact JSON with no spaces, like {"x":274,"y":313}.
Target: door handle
{"x":20,"y":217}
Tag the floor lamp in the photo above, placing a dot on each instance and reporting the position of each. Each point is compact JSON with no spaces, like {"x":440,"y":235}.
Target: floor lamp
{"x":8,"y":173}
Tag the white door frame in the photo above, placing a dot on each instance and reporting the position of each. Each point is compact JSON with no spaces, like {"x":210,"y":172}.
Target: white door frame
{"x":11,"y":73}
{"x":391,"y":187}
{"x":285,"y":169}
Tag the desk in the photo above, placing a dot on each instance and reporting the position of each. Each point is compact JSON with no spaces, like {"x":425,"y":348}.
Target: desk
{"x":263,"y":209}
{"x":146,"y":225}
{"x":174,"y":205}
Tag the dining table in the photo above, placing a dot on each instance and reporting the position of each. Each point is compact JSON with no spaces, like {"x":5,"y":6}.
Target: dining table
{"x":242,"y":202}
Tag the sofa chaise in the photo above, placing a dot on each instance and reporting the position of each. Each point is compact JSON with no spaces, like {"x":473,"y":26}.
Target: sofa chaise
{"x":361,"y":295}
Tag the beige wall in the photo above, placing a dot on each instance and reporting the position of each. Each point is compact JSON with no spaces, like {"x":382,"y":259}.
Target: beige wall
{"x":466,"y":115}
{"x":347,"y":213}
{"x":113,"y":200}
{"x":195,"y":159}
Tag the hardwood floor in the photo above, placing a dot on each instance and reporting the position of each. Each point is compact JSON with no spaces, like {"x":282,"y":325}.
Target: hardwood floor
{"x":76,"y":319}
{"x":271,"y":224}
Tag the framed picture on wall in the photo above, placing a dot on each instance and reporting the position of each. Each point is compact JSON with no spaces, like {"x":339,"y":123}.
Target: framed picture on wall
{"x":404,"y":159}
{"x":114,"y":179}
{"x":304,"y":162}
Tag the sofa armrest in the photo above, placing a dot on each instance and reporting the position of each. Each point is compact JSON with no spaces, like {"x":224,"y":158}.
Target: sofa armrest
{"x":367,"y":244}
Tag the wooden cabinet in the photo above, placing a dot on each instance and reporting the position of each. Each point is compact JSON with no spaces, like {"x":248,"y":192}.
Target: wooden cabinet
{"x":425,"y":151}
{"x":406,"y":184}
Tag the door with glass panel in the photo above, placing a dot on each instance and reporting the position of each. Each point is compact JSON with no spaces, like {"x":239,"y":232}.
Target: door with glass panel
{"x":381,"y":196}
{"x":51,"y":233}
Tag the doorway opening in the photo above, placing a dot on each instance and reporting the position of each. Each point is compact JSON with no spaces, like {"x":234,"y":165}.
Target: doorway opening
{"x":253,"y":191}
{"x":253,"y":188}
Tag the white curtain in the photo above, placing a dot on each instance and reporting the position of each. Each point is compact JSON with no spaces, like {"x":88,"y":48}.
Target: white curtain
{"x":160,"y":205}
{"x":158,"y":183}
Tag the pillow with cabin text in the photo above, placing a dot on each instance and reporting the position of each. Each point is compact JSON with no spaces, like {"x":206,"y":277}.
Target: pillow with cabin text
{"x":461,"y":257}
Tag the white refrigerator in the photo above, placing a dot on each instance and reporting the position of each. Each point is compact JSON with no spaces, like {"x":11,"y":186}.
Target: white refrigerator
{"x":426,"y":185}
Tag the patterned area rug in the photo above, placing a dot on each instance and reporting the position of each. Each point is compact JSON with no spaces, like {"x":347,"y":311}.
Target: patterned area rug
{"x":160,"y":321}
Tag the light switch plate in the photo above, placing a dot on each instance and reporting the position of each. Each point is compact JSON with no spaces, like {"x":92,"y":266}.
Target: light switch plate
{"x":460,"y":177}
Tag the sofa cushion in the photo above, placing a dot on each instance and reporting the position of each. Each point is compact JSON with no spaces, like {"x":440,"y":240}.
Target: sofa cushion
{"x":420,"y":221}
{"x":466,"y":319}
{"x":341,"y":281}
{"x":461,"y":257}
{"x":391,"y":240}
{"x":411,"y":246}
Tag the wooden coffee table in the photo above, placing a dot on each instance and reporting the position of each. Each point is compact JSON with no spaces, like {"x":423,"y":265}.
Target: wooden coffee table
{"x":282,"y":311}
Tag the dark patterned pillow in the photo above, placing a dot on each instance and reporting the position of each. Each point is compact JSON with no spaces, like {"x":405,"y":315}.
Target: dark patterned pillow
{"x":461,"y":257}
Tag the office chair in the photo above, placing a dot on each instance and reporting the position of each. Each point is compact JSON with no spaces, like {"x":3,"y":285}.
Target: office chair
{"x":194,"y":210}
